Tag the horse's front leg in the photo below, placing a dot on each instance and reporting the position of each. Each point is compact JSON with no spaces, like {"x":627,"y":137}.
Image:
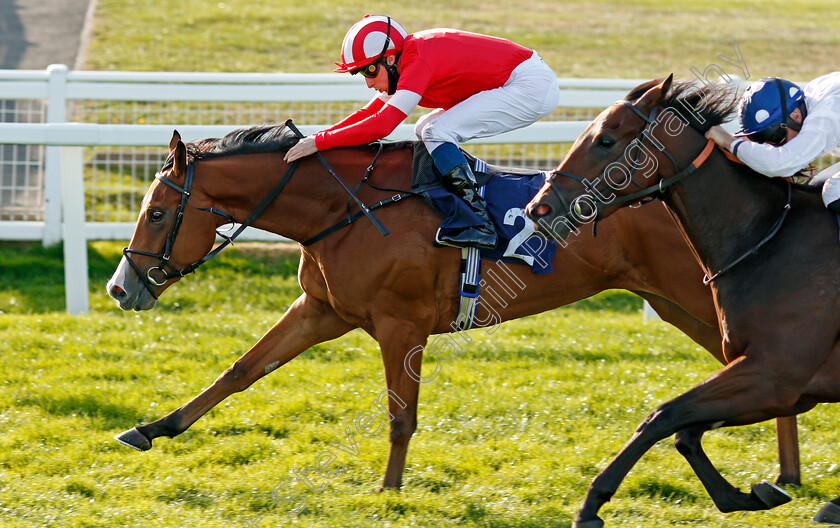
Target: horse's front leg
{"x":830,"y":513}
{"x":726,"y":497}
{"x":306,"y":323}
{"x":709,"y":338}
{"x":741,"y":393}
{"x":402,"y":354}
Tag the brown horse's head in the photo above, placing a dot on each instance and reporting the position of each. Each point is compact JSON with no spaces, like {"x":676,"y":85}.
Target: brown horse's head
{"x":627,"y":151}
{"x":170,"y":236}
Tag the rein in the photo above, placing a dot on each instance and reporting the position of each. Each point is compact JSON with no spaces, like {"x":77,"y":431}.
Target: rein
{"x":770,"y":234}
{"x":352,"y":218}
{"x":659,"y":191}
{"x":149,"y":280}
{"x":165,"y":254}
{"x":353,"y":196}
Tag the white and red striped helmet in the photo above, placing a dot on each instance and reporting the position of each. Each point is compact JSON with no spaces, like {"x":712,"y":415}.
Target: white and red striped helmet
{"x":366,"y":42}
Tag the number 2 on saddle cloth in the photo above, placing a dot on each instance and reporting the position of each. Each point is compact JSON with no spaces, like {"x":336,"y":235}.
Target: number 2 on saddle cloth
{"x":507,"y":192}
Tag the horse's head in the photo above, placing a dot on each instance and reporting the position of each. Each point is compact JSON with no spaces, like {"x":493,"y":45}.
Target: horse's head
{"x":170,"y":237}
{"x":632,"y":152}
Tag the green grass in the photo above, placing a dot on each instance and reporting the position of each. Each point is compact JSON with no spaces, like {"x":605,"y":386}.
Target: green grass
{"x":634,"y":39}
{"x":511,"y":432}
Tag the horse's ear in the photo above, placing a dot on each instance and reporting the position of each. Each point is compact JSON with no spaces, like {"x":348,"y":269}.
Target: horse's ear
{"x":176,"y":137}
{"x":180,"y":158}
{"x":654,"y":95}
{"x":668,"y":82}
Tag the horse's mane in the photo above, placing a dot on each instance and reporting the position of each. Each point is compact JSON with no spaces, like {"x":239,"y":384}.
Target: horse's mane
{"x":255,"y":140}
{"x":702,"y":105}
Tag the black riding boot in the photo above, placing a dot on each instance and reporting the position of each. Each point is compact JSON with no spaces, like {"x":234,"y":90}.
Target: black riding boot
{"x":462,"y":181}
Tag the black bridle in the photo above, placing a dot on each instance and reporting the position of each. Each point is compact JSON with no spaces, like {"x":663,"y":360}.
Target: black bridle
{"x":646,"y":194}
{"x":150,"y":282}
{"x":660,"y":190}
{"x":148,"y":279}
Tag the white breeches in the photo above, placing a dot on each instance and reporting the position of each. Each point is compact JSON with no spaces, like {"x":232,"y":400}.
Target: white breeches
{"x":530,"y":93}
{"x":831,"y":188}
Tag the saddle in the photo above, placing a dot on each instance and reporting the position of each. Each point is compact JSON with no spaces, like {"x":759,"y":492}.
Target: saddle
{"x":425,"y":176}
{"x":506,"y":191}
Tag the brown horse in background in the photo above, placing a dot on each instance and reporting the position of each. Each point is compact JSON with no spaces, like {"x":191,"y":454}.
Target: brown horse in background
{"x":399,"y":289}
{"x":770,"y":253}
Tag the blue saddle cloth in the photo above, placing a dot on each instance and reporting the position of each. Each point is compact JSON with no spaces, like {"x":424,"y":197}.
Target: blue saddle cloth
{"x":506,"y":196}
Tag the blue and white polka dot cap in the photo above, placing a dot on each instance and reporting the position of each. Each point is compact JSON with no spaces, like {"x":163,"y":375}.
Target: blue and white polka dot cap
{"x":761,"y":105}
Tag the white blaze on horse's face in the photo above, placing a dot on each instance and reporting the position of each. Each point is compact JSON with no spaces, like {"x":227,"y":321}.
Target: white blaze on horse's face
{"x":125,"y":285}
{"x":126,"y":288}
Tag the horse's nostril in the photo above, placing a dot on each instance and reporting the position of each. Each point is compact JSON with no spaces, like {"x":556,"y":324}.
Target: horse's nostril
{"x":117,"y":292}
{"x":543,"y":210}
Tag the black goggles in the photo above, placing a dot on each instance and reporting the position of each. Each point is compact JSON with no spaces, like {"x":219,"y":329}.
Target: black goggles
{"x":774,"y":134}
{"x":370,"y":71}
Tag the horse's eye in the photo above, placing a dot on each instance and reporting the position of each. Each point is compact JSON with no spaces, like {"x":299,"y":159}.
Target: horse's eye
{"x":605,"y":142}
{"x":156,"y":216}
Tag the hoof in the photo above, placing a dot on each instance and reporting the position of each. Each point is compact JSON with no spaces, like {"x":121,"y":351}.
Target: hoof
{"x":829,"y":514}
{"x":770,"y":494}
{"x":597,"y":522}
{"x":134,"y":438}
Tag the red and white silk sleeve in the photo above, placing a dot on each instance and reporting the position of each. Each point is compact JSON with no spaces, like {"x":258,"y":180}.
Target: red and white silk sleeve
{"x":373,"y":106}
{"x":369,"y":128}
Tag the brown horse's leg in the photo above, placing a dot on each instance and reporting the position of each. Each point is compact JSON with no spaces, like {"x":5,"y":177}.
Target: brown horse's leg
{"x":709,"y":338}
{"x":402,"y":354}
{"x":788,"y":439}
{"x":306,"y":323}
{"x":739,"y":394}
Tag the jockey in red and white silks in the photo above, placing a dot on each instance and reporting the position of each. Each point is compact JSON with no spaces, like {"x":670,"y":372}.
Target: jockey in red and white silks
{"x":486,"y":84}
{"x":479,"y":86}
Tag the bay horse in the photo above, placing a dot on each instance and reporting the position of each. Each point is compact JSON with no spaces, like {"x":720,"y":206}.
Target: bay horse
{"x":399,"y":289}
{"x":769,"y":251}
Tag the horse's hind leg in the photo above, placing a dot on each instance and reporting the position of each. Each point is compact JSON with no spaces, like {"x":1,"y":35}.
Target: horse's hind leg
{"x":306,"y":323}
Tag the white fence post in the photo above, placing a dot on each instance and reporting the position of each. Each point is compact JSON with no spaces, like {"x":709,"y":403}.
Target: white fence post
{"x":56,"y":113}
{"x":73,"y":231}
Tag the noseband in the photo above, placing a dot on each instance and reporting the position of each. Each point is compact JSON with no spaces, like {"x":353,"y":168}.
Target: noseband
{"x":646,"y":194}
{"x":149,"y":281}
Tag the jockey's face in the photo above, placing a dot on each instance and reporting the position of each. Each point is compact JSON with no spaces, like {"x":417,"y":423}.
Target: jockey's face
{"x":380,"y":81}
{"x":796,"y":115}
